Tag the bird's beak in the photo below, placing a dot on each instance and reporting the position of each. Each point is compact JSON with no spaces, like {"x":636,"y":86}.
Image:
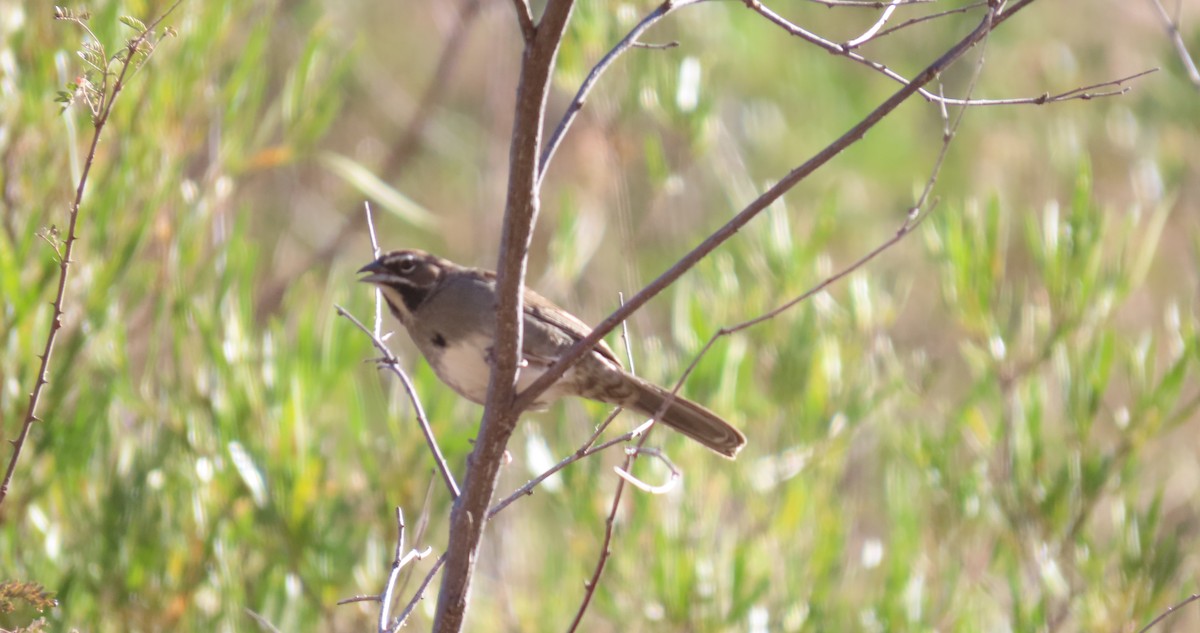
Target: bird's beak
{"x":378,"y":273}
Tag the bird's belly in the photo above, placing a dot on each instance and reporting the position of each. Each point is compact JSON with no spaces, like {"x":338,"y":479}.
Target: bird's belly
{"x":467,"y":368}
{"x":464,"y":367}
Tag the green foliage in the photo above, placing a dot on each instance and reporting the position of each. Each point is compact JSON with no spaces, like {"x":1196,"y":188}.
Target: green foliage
{"x":989,"y":427}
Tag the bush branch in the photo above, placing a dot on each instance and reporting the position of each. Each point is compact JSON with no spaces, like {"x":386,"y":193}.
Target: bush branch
{"x":499,"y":417}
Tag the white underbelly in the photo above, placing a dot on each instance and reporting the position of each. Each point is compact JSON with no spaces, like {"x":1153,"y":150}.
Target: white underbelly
{"x":467,"y":369}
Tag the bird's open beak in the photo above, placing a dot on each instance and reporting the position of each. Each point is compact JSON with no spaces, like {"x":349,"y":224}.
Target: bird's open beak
{"x":378,"y":273}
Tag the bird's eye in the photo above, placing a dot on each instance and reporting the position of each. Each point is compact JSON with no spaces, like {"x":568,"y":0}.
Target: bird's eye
{"x":407,"y":266}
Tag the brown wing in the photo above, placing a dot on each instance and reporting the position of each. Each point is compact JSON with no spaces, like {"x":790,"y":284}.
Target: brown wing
{"x":563,"y":321}
{"x":557,"y":318}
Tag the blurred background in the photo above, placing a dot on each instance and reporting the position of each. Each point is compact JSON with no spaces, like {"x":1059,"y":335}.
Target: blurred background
{"x":992,"y":427}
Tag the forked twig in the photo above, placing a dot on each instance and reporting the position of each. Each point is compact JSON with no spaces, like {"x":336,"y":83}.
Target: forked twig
{"x":400,"y":560}
{"x":412,"y":604}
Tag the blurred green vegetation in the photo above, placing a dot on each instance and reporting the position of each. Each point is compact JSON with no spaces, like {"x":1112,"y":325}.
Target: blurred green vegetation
{"x":991,"y":427}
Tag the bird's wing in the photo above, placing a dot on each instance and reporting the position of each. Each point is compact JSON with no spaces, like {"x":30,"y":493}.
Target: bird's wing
{"x":564,"y":322}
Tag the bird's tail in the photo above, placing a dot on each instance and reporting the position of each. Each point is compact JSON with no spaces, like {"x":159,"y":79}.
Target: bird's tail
{"x":688,"y":418}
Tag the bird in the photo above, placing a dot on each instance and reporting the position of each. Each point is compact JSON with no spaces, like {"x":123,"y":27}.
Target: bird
{"x":449,"y":312}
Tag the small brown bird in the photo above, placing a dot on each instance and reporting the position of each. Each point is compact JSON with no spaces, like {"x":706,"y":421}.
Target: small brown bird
{"x":450,"y":313}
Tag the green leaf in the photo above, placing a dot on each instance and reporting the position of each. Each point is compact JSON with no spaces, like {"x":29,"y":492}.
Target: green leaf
{"x":133,"y":23}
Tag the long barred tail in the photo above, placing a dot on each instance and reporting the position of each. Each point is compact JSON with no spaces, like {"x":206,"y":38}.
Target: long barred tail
{"x":688,"y":418}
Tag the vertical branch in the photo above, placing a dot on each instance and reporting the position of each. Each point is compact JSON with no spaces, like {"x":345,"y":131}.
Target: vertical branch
{"x":499,"y":417}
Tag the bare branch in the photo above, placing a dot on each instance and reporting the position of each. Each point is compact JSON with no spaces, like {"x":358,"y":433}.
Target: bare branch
{"x":588,"y":448}
{"x":468,"y":516}
{"x":400,"y":560}
{"x":609,"y":524}
{"x":398,"y":563}
{"x":924,"y":18}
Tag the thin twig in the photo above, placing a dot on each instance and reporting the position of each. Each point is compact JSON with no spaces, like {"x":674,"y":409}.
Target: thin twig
{"x":400,"y":560}
{"x":1170,"y":610}
{"x":412,"y":604}
{"x":660,"y":489}
{"x":64,"y":261}
{"x":1172,"y":26}
{"x":656,"y":47}
{"x":847,"y":51}
{"x":870,"y":33}
{"x":390,"y":361}
{"x":627,"y":42}
{"x":378,"y":325}
{"x":606,"y":547}
{"x":918,"y":20}
{"x":385,"y":599}
{"x":642,"y":432}
{"x":588,"y":448}
{"x":867,"y":4}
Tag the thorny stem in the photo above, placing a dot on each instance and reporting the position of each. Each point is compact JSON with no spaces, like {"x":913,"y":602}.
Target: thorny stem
{"x":64,"y":261}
